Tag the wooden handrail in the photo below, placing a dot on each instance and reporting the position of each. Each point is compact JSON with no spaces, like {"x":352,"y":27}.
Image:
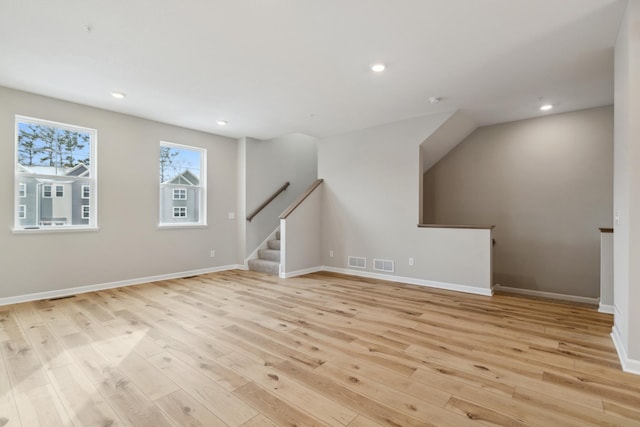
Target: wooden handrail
{"x":269,"y":200}
{"x":300,"y":199}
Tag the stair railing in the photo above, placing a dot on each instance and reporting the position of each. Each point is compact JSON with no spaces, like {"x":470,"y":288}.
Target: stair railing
{"x":269,"y":200}
{"x":300,"y":199}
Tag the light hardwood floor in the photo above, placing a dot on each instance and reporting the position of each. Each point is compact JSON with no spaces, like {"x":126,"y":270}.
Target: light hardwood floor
{"x":246,"y":349}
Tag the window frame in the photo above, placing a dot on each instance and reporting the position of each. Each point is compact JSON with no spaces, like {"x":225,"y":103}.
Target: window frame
{"x":85,"y":214}
{"x":39,"y":225}
{"x":201,"y":192}
{"x":182,"y":211}
{"x":22,"y":211}
{"x":59,"y":191}
{"x":182,"y":191}
{"x":22,"y":190}
{"x":82,"y":190}
{"x":45,"y":191}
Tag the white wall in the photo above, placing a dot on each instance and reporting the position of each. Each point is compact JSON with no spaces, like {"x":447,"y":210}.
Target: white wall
{"x":269,"y":164}
{"x":606,"y":272}
{"x":301,"y":236}
{"x":626,"y":201}
{"x":129,"y":244}
{"x":241,"y":209}
{"x":371,"y":208}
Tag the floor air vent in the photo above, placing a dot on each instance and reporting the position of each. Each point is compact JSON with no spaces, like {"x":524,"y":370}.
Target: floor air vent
{"x":357,"y":262}
{"x":383,"y":265}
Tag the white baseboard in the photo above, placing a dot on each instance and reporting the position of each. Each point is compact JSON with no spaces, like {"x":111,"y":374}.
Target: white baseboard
{"x":549,"y":295}
{"x":412,"y":281}
{"x":286,"y":275}
{"x":119,"y":284}
{"x":631,"y":366}
{"x":606,"y":308}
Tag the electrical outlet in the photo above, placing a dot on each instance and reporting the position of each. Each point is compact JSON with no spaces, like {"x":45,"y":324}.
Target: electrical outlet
{"x":331,"y":254}
{"x":411,"y":262}
{"x":212,"y":254}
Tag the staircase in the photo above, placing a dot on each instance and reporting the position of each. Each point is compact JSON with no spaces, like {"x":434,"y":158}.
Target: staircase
{"x":268,"y":260}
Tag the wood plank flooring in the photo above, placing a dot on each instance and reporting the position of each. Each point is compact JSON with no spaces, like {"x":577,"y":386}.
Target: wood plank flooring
{"x":245,"y":349}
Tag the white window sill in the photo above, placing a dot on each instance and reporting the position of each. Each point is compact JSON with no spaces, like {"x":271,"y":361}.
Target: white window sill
{"x":179,"y":226}
{"x":69,"y":229}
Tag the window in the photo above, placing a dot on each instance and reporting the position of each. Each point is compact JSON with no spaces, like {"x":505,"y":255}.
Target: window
{"x":182,"y":173}
{"x":56,"y":162}
{"x":179,"y":211}
{"x":179,"y":194}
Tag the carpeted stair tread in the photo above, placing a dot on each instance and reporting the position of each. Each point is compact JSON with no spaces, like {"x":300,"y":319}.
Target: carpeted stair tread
{"x":269,"y":254}
{"x":274,"y":244}
{"x":265,"y":266}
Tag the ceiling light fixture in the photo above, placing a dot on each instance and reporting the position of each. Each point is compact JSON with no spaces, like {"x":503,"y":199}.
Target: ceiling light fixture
{"x":378,"y":68}
{"x":434,"y":99}
{"x":221,"y":122}
{"x":118,"y":95}
{"x":546,"y":107}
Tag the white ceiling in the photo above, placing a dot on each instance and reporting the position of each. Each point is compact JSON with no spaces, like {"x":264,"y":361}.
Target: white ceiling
{"x":272,"y":67}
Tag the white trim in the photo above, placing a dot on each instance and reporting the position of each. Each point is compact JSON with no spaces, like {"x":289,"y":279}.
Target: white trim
{"x":413,"y":281}
{"x":549,"y":295}
{"x":182,"y":192}
{"x":606,"y":308}
{"x":180,"y":225}
{"x":88,"y":212}
{"x":48,"y":229}
{"x":180,"y":210}
{"x":61,"y":188}
{"x":22,"y":190}
{"x":88,"y":187}
{"x":301,"y":272}
{"x":631,"y":366}
{"x":119,"y":284}
{"x":22,"y":211}
{"x":44,"y":196}
{"x":55,"y":181}
{"x":201,"y":187}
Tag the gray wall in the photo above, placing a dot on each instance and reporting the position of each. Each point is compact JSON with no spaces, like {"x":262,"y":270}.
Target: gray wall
{"x":546,"y":184}
{"x":129,"y":244}
{"x":269,"y":164}
{"x":370,"y":209}
{"x":626,"y":296}
{"x":301,"y":234}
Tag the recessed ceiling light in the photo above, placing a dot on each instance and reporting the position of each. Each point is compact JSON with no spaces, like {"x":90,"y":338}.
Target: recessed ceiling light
{"x":546,"y":107}
{"x":378,"y":68}
{"x":434,"y":99}
{"x":118,"y":95}
{"x":221,"y":122}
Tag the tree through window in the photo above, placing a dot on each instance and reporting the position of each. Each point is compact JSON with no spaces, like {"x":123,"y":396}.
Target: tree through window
{"x":54,"y":162}
{"x":182,"y":171}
